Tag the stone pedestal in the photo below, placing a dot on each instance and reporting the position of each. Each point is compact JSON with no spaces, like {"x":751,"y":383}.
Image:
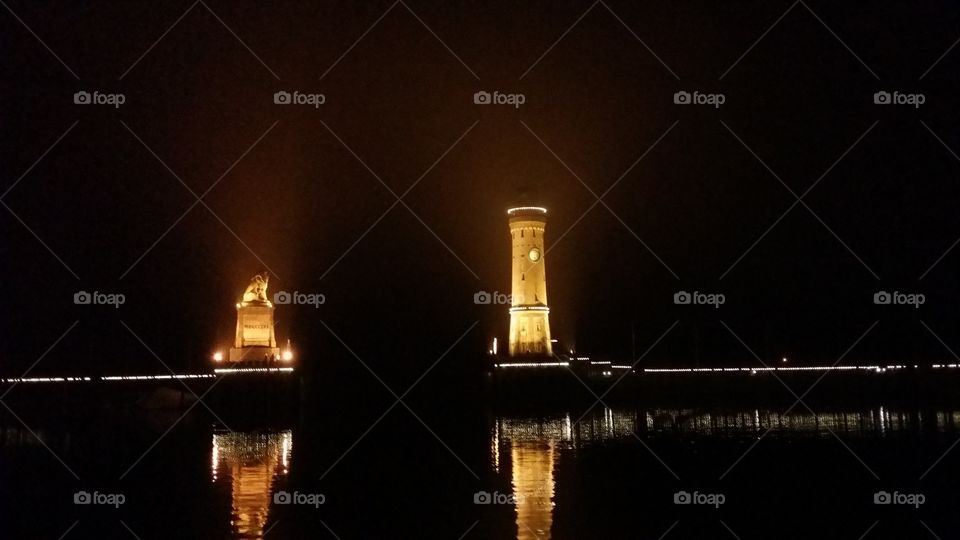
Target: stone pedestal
{"x":255,"y":337}
{"x":253,"y":354}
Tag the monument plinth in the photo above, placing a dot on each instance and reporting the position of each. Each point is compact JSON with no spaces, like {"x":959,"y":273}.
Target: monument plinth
{"x":255,"y":339}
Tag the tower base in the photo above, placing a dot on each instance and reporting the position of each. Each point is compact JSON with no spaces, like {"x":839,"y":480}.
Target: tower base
{"x":530,"y":331}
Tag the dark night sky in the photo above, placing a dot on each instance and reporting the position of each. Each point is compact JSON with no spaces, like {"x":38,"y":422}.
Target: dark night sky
{"x":599,"y":99}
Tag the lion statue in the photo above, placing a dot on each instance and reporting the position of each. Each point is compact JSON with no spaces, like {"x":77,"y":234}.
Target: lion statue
{"x":257,"y":289}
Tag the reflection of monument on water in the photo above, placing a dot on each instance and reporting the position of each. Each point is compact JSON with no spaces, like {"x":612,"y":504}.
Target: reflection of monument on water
{"x":532,"y":448}
{"x":250,"y":462}
{"x":255,"y":340}
{"x":537,"y":453}
{"x":601,"y":424}
{"x":531,"y":472}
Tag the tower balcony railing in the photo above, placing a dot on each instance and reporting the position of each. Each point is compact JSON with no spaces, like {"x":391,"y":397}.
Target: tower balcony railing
{"x":517,"y":309}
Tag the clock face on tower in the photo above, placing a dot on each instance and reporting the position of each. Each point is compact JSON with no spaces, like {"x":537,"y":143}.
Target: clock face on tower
{"x":534,"y":254}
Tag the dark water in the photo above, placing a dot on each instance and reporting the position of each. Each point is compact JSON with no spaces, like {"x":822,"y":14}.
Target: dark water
{"x":602,"y":473}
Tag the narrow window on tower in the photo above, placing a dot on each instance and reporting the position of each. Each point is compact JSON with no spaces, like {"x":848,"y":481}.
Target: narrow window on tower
{"x":521,"y":233}
{"x":523,"y":277}
{"x":534,"y":233}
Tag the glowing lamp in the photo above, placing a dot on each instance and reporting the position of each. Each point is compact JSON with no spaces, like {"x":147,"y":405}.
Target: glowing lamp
{"x":218,"y":356}
{"x":287,"y":355}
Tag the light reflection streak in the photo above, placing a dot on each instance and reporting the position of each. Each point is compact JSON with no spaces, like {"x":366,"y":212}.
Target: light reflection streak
{"x":535,"y":446}
{"x":250,"y":461}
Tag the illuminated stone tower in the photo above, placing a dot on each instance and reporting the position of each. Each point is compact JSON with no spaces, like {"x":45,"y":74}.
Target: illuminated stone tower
{"x":529,"y":314}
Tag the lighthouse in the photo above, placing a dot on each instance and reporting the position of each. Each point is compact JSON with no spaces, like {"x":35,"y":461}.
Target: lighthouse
{"x":529,"y":314}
